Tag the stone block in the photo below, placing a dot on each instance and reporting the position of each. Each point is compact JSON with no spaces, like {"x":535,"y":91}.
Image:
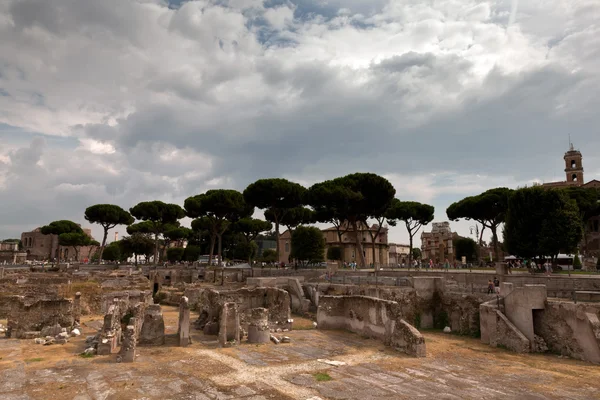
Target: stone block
{"x":153,"y":327}
{"x":184,"y":322}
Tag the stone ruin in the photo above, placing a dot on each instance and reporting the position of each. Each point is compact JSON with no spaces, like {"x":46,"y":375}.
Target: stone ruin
{"x":183,"y":329}
{"x":524,"y":320}
{"x":371,"y":317}
{"x":231,"y":314}
{"x":153,"y":327}
{"x":27,"y":320}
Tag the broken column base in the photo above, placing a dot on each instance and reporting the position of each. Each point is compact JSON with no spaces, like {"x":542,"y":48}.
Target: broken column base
{"x":258,"y":326}
{"x":255,"y":335}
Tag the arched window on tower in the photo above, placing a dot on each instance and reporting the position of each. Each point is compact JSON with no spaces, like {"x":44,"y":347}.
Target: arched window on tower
{"x":573,"y":164}
{"x":574,"y":177}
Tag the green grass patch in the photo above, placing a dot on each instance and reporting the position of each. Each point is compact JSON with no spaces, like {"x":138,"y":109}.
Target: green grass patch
{"x":84,"y":355}
{"x":30,"y":360}
{"x":322,"y":377}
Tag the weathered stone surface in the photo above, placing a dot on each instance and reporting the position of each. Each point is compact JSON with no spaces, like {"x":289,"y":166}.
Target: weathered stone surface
{"x":371,"y":317}
{"x":153,"y":327}
{"x":229,"y":328}
{"x":183,"y":330}
{"x":128,"y":348}
{"x":258,"y":326}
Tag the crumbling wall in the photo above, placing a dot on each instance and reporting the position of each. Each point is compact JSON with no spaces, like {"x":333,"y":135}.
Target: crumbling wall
{"x":129,"y":298}
{"x":570,"y":329}
{"x":153,"y":327}
{"x":277,"y":301}
{"x":462,"y":312}
{"x":24,"y":317}
{"x":371,"y":317}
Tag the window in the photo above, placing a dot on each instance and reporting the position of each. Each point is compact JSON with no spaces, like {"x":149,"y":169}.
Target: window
{"x":573,"y":164}
{"x":574,"y":177}
{"x":287,"y":247}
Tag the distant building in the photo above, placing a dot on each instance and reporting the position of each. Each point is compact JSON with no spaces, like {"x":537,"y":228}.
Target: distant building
{"x":10,"y":253}
{"x":438,"y":244}
{"x":574,"y":177}
{"x":348,"y":244}
{"x":398,"y":253}
{"x":45,"y":247}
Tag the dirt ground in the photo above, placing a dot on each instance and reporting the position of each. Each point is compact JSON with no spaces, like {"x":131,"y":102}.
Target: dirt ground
{"x":455,"y":368}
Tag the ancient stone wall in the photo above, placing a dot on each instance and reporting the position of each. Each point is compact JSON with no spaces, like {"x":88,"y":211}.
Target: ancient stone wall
{"x":371,"y":317}
{"x":570,"y":329}
{"x":23,"y":317}
{"x":277,"y":301}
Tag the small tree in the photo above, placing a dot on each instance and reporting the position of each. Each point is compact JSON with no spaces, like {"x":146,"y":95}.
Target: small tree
{"x":59,"y":228}
{"x":175,"y":254}
{"x":489,"y":209}
{"x":269,"y":256}
{"x":334,"y":253}
{"x":219,"y":209}
{"x":415,"y":253}
{"x":250,"y":228}
{"x":112,"y":252}
{"x":353,"y":199}
{"x":74,"y":240}
{"x":466,"y":247}
{"x":577,"y":262}
{"x":157,"y":216}
{"x":308,"y":245}
{"x":108,"y":216}
{"x":542,"y":223}
{"x":192,"y":253}
{"x":414,"y":215}
{"x":277,"y":196}
{"x":137,"y":244}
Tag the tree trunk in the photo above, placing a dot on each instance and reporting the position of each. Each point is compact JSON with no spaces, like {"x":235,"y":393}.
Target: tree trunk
{"x":359,"y":246}
{"x":212,"y":248}
{"x":277,"y":237}
{"x":220,"y":248}
{"x":156,"y":249}
{"x":481,"y":235}
{"x":495,"y":241}
{"x":341,"y":246}
{"x":103,"y":244}
{"x":410,"y":245}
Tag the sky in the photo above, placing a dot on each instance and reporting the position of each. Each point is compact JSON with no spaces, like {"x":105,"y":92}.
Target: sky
{"x":122,"y":101}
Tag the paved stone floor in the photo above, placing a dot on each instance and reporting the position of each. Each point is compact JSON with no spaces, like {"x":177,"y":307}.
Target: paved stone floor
{"x":455,"y":368}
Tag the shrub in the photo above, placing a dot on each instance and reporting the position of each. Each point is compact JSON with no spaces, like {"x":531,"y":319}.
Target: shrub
{"x":334,"y":253}
{"x":175,"y":254}
{"x":576,"y":262}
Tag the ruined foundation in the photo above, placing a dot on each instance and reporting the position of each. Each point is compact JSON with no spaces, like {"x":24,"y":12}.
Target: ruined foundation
{"x":183,"y":332}
{"x":229,"y":328}
{"x":153,"y":327}
{"x":371,"y":317}
{"x":258,"y":326}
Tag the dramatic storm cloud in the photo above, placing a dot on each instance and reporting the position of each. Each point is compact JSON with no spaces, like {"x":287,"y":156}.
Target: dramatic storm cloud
{"x":127,"y":100}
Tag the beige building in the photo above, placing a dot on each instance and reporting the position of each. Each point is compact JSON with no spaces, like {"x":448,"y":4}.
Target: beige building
{"x":45,"y":247}
{"x":574,"y":177}
{"x":437,"y":245}
{"x":398,"y":253}
{"x":349,"y":250}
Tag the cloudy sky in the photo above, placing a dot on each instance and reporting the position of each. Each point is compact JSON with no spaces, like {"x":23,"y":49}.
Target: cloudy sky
{"x":121,"y":101}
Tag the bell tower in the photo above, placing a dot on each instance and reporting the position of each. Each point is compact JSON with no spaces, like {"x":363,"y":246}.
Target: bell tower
{"x":574,"y":166}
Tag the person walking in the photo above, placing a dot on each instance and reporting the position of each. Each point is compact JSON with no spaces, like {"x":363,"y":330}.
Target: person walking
{"x":490,"y":287}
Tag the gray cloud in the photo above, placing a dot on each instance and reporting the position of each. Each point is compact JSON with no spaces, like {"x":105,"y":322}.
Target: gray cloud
{"x":159,"y":102}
